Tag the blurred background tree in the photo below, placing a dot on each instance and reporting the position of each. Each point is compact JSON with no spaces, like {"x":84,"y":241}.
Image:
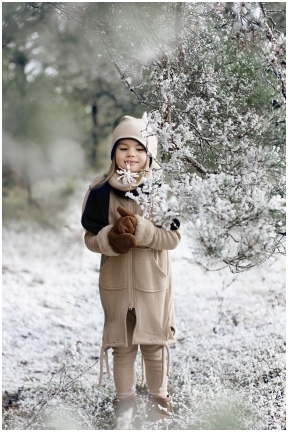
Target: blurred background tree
{"x":61,"y":100}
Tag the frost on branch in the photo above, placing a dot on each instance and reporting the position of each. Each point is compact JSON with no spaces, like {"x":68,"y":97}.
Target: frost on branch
{"x":126,"y":177}
{"x":229,"y":222}
{"x":153,"y":200}
{"x":215,"y":96}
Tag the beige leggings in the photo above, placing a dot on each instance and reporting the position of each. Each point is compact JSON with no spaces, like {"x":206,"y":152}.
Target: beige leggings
{"x":124,"y":365}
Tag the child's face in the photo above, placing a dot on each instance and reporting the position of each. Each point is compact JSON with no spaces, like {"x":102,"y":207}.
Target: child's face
{"x":130,"y":151}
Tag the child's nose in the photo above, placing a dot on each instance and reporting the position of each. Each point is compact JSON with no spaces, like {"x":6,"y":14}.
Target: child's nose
{"x":131,"y":152}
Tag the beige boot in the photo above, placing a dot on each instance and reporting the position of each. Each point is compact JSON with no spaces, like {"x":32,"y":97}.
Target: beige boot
{"x":158,"y":408}
{"x":125,"y":410}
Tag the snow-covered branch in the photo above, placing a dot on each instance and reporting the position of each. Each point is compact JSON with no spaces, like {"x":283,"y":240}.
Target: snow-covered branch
{"x":216,"y":126}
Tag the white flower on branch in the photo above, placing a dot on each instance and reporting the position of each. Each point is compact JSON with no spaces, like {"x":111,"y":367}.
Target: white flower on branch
{"x":152,"y":198}
{"x":127,"y":177}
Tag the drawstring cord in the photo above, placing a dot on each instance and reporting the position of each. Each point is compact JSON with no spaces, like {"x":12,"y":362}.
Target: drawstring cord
{"x":143,"y":372}
{"x":163,"y":362}
{"x":163,"y":365}
{"x":168,"y":359}
{"x":107,"y":362}
{"x":104,"y":352}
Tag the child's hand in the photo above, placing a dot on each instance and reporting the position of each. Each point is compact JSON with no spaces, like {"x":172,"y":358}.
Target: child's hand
{"x":121,"y":243}
{"x":126,"y":223}
{"x":121,"y":237}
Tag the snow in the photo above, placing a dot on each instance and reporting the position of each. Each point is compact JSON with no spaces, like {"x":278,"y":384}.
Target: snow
{"x":228,"y":364}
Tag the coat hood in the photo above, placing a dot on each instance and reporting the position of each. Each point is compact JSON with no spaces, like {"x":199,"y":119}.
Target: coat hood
{"x":131,"y":127}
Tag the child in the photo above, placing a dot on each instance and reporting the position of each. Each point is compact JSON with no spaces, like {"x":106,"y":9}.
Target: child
{"x":135,"y":277}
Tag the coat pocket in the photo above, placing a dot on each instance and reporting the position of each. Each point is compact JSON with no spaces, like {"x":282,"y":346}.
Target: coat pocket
{"x":113,"y":273}
{"x":150,"y":269}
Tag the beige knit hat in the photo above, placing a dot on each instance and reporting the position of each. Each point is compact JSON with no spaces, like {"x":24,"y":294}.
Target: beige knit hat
{"x":134,"y":128}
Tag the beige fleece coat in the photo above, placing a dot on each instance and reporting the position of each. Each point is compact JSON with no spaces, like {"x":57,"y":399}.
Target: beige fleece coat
{"x":139,"y":279}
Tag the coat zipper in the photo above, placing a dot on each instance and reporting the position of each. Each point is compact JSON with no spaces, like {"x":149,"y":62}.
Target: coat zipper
{"x":130,"y":287}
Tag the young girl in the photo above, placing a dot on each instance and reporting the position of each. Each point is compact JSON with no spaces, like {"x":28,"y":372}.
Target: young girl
{"x":135,"y":276}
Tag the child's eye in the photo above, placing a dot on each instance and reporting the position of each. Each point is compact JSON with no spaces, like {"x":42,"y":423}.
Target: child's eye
{"x":122,"y":148}
{"x":141,"y":149}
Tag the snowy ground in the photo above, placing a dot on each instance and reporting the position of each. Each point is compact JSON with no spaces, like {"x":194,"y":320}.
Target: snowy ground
{"x":228,"y":368}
